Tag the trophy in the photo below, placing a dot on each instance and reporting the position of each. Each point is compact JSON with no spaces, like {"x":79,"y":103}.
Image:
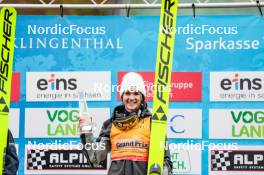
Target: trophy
{"x":88,"y":126}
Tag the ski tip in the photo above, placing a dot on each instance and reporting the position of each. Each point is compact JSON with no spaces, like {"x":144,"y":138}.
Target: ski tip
{"x":155,"y":169}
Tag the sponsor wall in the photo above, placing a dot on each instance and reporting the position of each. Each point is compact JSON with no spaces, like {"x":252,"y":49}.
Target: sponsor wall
{"x":216,"y":92}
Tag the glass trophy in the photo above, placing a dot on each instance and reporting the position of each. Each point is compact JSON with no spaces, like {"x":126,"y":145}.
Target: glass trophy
{"x":88,"y":126}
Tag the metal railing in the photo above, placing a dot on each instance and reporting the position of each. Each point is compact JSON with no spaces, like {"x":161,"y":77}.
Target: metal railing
{"x":144,"y":5}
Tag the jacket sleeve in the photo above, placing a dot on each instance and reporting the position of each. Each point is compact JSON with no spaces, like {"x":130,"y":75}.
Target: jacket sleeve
{"x":96,"y":156}
{"x":11,"y":159}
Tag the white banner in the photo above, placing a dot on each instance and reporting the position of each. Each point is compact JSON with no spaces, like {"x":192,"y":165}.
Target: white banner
{"x":59,"y":122}
{"x":236,"y":86}
{"x":13,"y":121}
{"x":54,"y":160}
{"x":245,"y":160}
{"x":236,"y":123}
{"x":186,"y":161}
{"x":184,"y":123}
{"x":66,"y":86}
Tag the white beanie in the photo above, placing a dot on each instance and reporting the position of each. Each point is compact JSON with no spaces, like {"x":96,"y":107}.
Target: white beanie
{"x":132,"y":82}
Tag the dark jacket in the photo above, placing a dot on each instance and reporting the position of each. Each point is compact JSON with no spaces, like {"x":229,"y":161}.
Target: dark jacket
{"x":11,"y":159}
{"x":120,"y":167}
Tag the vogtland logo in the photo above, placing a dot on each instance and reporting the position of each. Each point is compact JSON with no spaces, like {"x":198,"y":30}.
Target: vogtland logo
{"x":247,"y":124}
{"x":53,"y":83}
{"x":237,"y":86}
{"x":62,"y":122}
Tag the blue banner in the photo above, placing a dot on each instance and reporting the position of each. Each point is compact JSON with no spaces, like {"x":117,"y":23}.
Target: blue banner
{"x":217,"y":86}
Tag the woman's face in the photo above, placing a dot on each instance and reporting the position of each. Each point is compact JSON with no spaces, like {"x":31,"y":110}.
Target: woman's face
{"x":132,"y":100}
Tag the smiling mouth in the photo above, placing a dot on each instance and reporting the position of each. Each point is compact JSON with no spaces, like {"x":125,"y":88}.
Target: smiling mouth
{"x":131,"y":104}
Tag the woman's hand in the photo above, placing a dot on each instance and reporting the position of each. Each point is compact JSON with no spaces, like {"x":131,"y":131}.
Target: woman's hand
{"x":85,"y":124}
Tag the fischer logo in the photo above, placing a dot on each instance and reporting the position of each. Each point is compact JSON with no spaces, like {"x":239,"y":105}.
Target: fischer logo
{"x":237,"y":83}
{"x":53,"y":83}
{"x":237,"y":160}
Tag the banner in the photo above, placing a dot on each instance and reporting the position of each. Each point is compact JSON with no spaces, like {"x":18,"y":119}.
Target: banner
{"x":217,"y":81}
{"x":244,"y":160}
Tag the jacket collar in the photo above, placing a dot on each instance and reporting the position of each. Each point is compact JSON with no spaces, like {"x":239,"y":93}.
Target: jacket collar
{"x":120,"y":110}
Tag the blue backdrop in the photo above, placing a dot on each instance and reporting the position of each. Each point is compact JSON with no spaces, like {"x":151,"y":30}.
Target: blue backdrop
{"x":133,"y":48}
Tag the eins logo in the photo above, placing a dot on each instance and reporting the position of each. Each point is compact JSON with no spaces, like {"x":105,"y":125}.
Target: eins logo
{"x":54,"y":83}
{"x":238,"y":83}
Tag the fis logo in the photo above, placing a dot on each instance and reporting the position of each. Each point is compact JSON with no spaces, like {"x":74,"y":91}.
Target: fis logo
{"x":53,"y":83}
{"x":238,"y":83}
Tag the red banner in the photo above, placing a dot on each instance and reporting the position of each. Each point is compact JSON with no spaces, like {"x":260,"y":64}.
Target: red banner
{"x":185,"y":86}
